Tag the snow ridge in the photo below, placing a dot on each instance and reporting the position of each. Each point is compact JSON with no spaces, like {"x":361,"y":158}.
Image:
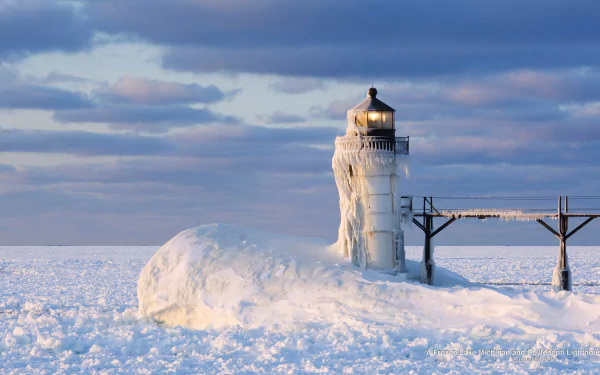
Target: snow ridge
{"x":221,"y":275}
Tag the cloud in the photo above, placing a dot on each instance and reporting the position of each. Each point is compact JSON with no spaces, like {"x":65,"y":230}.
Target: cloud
{"x":158,"y":205}
{"x":260,"y":177}
{"x":396,"y":60}
{"x":508,"y":151}
{"x":297,"y":85}
{"x":254,"y":149}
{"x":336,"y":110}
{"x":586,"y":110}
{"x":27,"y":96}
{"x":256,"y":136}
{"x":58,"y":77}
{"x":268,"y":178}
{"x":30,"y":26}
{"x":311,"y":38}
{"x":155,"y":92}
{"x":142,"y":118}
{"x":492,"y":95}
{"x":525,"y":85}
{"x":224,"y":142}
{"x":7,"y":168}
{"x":81,"y":143}
{"x":279,"y":117}
{"x":155,"y":197}
{"x":17,"y":93}
{"x":137,"y":104}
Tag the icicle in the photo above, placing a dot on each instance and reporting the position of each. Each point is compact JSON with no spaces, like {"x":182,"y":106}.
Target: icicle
{"x":506,"y":215}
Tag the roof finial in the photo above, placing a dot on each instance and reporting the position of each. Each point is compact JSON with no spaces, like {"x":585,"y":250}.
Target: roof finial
{"x":372,"y":93}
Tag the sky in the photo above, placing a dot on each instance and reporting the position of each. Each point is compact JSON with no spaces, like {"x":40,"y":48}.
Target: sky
{"x":125,"y":122}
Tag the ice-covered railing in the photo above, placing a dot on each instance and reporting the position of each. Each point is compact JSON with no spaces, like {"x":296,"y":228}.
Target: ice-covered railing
{"x":377,"y":144}
{"x":502,"y":214}
{"x":402,"y":144}
{"x":528,"y":208}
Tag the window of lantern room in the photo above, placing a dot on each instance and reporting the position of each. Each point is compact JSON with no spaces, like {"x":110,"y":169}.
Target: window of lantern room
{"x":387,"y":120}
{"x":375,"y":119}
{"x":360,"y":119}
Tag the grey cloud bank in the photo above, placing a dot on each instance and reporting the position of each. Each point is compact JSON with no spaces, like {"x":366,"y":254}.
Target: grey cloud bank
{"x":279,"y":117}
{"x":294,"y":86}
{"x":346,"y":39}
{"x":142,"y":118}
{"x":154,"y":92}
{"x":29,"y":27}
{"x":27,"y":96}
{"x":18,"y":93}
{"x":80,"y":143}
{"x":499,"y":97}
{"x":151,"y":106}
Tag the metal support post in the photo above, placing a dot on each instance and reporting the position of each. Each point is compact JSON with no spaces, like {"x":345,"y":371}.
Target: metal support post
{"x":562,"y":273}
{"x":428,"y":264}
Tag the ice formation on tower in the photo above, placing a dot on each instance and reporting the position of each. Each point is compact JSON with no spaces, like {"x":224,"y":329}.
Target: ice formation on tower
{"x":366,"y":166}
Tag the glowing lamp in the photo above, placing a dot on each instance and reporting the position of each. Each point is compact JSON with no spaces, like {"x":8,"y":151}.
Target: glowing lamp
{"x":373,"y":117}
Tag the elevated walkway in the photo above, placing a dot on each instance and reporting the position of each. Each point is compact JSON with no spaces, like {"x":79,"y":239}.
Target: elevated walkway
{"x":562,"y":275}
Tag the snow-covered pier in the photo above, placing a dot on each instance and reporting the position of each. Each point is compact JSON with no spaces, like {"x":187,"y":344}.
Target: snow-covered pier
{"x":561,"y":279}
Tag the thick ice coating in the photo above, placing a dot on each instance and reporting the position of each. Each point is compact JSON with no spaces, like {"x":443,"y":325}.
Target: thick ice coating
{"x":221,"y":275}
{"x":366,"y":175}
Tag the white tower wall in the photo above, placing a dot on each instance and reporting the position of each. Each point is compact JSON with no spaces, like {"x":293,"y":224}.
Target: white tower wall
{"x":367,"y":180}
{"x":381,"y":249}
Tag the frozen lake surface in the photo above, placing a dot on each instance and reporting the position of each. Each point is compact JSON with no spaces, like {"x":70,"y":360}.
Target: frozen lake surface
{"x":74,"y":310}
{"x":520,"y":267}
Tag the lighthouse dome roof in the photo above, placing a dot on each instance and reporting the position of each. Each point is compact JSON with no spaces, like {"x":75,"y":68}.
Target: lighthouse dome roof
{"x":371,"y":103}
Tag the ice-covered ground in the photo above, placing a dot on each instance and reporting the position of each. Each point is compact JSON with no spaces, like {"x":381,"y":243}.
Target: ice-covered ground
{"x":74,"y":309}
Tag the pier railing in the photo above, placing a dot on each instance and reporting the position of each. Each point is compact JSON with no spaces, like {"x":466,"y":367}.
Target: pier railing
{"x":398,"y":146}
{"x":575,"y":207}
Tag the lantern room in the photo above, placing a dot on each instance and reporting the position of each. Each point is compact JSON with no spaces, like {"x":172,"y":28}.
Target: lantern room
{"x":372,"y":117}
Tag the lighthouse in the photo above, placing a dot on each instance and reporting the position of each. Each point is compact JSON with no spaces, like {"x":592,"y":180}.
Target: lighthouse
{"x":366,"y":167}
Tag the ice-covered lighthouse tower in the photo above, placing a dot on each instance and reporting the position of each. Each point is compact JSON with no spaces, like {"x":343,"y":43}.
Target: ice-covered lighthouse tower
{"x":366,"y":166}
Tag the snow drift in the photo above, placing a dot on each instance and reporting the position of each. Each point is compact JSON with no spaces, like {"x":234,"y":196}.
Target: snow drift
{"x":221,"y":275}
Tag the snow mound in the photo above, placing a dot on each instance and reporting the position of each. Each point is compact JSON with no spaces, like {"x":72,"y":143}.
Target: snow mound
{"x":221,"y":275}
